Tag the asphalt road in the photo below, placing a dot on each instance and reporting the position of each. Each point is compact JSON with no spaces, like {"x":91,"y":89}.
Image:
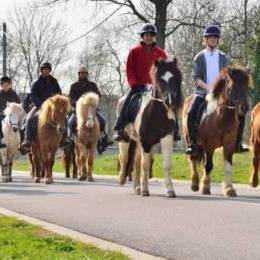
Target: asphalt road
{"x":191,"y":226}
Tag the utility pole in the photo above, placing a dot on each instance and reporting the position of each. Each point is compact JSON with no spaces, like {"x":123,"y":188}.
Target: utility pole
{"x":4,"y":50}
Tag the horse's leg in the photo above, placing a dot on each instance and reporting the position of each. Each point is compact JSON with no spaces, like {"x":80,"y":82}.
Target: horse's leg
{"x":194,"y":173}
{"x":228,"y":189}
{"x":74,"y":165}
{"x":145,"y":166}
{"x":123,"y":158}
{"x":66,"y":159}
{"x":255,"y":165}
{"x":91,"y":153}
{"x":136,"y":174}
{"x":166,"y":148}
{"x":81,"y":160}
{"x":36,"y":164}
{"x":205,"y":189}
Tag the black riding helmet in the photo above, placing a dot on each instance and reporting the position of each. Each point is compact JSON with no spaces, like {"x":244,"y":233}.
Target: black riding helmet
{"x":212,"y":30}
{"x":46,"y":65}
{"x":148,"y":28}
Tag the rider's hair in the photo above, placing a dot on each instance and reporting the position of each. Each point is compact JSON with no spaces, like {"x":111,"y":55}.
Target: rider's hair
{"x":5,"y":79}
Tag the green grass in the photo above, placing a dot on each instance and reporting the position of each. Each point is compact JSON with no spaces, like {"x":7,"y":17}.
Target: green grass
{"x":106,"y":165}
{"x":20,"y":240}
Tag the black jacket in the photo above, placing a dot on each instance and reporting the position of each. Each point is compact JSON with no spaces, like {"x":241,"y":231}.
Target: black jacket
{"x":44,"y":88}
{"x":80,"y":88}
{"x":9,"y":96}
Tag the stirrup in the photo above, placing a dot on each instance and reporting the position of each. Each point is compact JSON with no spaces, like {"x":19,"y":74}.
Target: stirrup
{"x":192,"y":150}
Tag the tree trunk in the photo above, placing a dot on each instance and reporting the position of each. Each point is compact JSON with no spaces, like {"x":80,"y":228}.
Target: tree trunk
{"x":160,"y":21}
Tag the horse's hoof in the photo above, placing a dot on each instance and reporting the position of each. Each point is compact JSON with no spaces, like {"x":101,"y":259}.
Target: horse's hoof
{"x":75,"y":176}
{"x":137,"y":191}
{"x":48,"y":181}
{"x":145,"y":193}
{"x":254,"y":182}
{"x":122,"y":180}
{"x":170,"y":194}
{"x":230,"y":192}
{"x":90,"y":179}
{"x":7,"y":179}
{"x":82,"y":178}
{"x":194,"y":187}
{"x":37,"y":180}
{"x":206,"y":191}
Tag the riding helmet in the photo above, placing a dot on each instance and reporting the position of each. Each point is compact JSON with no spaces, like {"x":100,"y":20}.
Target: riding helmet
{"x":46,"y":65}
{"x":148,"y":28}
{"x":212,"y":30}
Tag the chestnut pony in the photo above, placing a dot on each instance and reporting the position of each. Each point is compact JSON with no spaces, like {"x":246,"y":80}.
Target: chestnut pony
{"x":218,"y":126}
{"x":50,"y":129}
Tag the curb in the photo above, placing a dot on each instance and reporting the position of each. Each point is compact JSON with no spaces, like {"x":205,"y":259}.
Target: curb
{"x":100,"y":243}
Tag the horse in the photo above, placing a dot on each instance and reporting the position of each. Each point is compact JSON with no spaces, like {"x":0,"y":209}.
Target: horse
{"x":88,"y":132}
{"x":11,"y":125}
{"x":218,"y":126}
{"x":153,"y":124}
{"x":69,"y":160}
{"x":50,"y":129}
{"x":255,"y":140}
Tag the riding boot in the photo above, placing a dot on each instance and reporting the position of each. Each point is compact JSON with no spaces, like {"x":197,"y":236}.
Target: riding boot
{"x":241,"y":126}
{"x":27,"y":142}
{"x":192,"y":131}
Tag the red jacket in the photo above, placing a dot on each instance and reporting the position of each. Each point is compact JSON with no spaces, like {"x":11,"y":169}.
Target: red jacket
{"x":139,"y":62}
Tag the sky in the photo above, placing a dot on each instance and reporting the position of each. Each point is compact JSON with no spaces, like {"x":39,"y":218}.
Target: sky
{"x":76,"y":14}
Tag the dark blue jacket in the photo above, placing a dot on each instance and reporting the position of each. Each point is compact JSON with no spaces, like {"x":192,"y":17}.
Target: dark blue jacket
{"x":43,"y":89}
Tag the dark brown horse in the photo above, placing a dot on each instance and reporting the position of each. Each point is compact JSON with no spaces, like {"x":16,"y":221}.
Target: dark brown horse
{"x":68,"y":159}
{"x":255,"y":140}
{"x":218,"y":126}
{"x":51,"y":126}
{"x":154,"y":124}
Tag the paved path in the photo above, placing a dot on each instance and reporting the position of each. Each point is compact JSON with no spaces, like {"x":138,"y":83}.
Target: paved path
{"x":192,"y":226}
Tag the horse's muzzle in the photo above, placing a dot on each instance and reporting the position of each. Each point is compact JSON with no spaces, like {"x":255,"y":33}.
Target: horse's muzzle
{"x":15,"y":128}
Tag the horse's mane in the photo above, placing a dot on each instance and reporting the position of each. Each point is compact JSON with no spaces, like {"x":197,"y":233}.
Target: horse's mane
{"x":89,"y":99}
{"x":47,"y":108}
{"x":177,"y":75}
{"x":12,"y":106}
{"x":220,"y":83}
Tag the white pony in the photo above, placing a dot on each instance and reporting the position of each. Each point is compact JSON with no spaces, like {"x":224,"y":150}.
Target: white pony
{"x":11,"y":125}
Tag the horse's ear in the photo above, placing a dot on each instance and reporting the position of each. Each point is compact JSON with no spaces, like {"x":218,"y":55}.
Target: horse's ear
{"x":8,"y":103}
{"x":175,"y":61}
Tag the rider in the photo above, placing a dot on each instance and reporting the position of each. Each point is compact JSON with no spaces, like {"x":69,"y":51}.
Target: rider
{"x":7,"y":94}
{"x":45,"y":87}
{"x":79,"y":88}
{"x":139,"y":62}
{"x":206,"y":66}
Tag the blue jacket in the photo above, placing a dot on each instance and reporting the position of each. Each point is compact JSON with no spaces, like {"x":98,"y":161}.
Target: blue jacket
{"x":42,"y":90}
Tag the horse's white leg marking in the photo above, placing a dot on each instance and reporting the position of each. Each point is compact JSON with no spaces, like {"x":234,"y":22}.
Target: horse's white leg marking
{"x":227,"y":173}
{"x":146,"y":161}
{"x":166,"y":147}
{"x":123,"y":157}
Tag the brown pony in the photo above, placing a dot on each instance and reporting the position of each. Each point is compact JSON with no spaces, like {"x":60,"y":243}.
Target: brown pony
{"x":218,"y":126}
{"x":51,"y":126}
{"x":255,"y":140}
{"x":88,"y":132}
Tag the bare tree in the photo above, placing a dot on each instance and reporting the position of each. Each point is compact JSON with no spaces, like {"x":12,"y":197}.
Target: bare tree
{"x":38,"y":37}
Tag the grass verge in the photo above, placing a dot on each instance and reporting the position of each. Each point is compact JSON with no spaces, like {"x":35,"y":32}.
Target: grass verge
{"x":20,"y":240}
{"x":107,"y":165}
